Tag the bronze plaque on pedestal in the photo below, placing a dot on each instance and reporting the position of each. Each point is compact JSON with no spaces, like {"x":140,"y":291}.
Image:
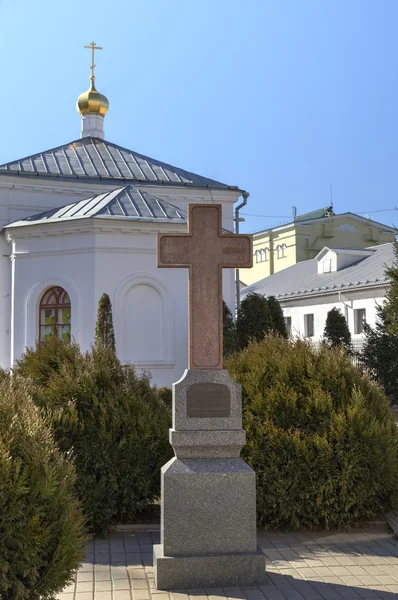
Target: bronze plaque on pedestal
{"x":208,"y":400}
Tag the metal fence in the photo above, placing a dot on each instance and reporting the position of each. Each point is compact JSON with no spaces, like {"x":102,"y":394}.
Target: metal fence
{"x":356,"y":349}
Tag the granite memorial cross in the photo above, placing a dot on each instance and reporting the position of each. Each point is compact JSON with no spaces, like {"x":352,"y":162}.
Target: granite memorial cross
{"x":205,"y":250}
{"x":208,"y":505}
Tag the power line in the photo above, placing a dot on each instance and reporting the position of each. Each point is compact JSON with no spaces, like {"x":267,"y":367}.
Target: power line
{"x":365,"y":212}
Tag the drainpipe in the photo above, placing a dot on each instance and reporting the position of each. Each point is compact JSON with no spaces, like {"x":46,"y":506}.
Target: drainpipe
{"x":245,"y":196}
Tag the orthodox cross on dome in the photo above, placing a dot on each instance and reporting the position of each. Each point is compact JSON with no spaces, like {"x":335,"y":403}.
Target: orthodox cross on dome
{"x":205,"y":251}
{"x":93,"y":49}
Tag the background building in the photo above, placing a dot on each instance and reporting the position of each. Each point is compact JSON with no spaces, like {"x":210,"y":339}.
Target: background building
{"x":281,"y":247}
{"x":352,"y":280}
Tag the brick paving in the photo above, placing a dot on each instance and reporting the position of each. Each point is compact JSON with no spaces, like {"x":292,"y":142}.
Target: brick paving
{"x":362,"y":563}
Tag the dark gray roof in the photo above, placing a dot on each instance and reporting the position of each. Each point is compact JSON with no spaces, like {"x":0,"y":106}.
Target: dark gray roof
{"x":124,"y":203}
{"x":94,"y":158}
{"x":302,"y":279}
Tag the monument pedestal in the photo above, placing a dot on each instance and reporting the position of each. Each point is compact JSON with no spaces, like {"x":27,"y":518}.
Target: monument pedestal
{"x":208,"y":510}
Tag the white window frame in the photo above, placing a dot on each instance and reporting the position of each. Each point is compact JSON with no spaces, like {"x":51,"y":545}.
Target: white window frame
{"x":261,"y":255}
{"x":307,"y":329}
{"x":280,"y":249}
{"x":358,"y":322}
{"x":288,"y":324}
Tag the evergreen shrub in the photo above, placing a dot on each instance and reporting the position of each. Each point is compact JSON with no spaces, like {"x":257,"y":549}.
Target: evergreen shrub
{"x":320,"y":437}
{"x":166,"y":396}
{"x":254,"y":319}
{"x":230,"y":337}
{"x":114,"y":421}
{"x":380,"y":351}
{"x":277,"y":318}
{"x":336,"y":332}
{"x":41,"y":523}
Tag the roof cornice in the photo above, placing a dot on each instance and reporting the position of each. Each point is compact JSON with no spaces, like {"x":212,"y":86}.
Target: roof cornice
{"x":312,"y":222}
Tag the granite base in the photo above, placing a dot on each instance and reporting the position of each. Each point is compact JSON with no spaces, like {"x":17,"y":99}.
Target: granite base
{"x":221,"y":570}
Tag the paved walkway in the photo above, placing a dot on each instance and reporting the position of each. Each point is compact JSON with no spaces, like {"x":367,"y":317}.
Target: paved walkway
{"x":309,"y":566}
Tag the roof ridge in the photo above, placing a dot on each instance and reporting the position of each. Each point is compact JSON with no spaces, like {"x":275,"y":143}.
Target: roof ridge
{"x":107,"y":205}
{"x":105,"y":165}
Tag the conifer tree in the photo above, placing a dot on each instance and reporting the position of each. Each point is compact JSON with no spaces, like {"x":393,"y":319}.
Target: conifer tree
{"x":230,"y":339}
{"x":336,"y":332}
{"x":104,"y":332}
{"x":254,"y":319}
{"x":380,"y":352}
{"x":278,"y":320}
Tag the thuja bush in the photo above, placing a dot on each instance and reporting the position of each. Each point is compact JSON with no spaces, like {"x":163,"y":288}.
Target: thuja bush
{"x":114,"y":421}
{"x":41,"y":523}
{"x":320,"y":437}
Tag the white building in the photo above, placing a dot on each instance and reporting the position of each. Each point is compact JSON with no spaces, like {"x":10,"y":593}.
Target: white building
{"x":352,"y":280}
{"x":82,"y":219}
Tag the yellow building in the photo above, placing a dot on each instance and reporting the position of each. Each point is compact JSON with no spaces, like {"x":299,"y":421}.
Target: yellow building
{"x":280,"y":247}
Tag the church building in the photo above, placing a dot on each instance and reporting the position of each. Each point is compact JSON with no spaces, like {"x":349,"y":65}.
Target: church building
{"x":82,"y":219}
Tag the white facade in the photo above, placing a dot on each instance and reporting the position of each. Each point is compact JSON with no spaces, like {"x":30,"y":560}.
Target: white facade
{"x":88,"y":257}
{"x":349,"y":303}
{"x":350,"y":279}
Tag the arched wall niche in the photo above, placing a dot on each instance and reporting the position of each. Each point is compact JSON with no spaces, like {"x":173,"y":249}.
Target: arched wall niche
{"x":143,"y":319}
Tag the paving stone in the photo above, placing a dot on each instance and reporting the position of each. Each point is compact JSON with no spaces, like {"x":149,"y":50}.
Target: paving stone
{"x":121,"y":584}
{"x":84,"y":596}
{"x":103,"y":576}
{"x":133,"y":559}
{"x":103,"y":596}
{"x":254,"y":594}
{"x":292,"y":595}
{"x":85,"y":576}
{"x":85,"y":586}
{"x":141,"y":595}
{"x":103,"y":586}
{"x":121,"y":595}
{"x":119,"y":573}
{"x":233,"y":595}
{"x":139,"y":584}
{"x":273,"y":594}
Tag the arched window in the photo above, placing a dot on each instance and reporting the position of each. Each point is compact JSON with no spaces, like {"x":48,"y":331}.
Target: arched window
{"x":281,"y":250}
{"x":55,"y":313}
{"x":261,"y":255}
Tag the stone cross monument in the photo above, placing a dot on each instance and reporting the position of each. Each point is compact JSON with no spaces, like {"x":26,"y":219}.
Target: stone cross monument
{"x":208,"y":510}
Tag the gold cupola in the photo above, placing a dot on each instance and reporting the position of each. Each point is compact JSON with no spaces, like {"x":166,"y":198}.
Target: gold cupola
{"x":92,"y":102}
{"x":91,"y":105}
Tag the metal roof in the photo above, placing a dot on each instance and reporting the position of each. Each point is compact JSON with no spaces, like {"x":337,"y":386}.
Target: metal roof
{"x":95,"y":158}
{"x":302,"y":279}
{"x":308,"y":222}
{"x":315,"y":214}
{"x":124,"y":203}
{"x":350,"y":251}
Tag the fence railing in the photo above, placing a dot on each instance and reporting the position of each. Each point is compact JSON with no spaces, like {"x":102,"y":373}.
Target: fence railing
{"x":356,"y":349}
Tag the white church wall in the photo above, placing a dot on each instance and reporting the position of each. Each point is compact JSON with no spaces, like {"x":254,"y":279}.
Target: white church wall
{"x":88,"y":263}
{"x":149,"y":304}
{"x":5,"y":301}
{"x":40,"y":263}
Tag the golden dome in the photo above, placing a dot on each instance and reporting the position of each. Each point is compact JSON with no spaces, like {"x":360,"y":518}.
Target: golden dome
{"x":92,"y":102}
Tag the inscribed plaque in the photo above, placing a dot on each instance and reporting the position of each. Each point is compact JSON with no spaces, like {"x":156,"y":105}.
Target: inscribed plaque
{"x":208,"y":400}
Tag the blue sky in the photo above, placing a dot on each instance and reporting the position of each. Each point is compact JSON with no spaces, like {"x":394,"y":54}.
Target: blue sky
{"x":279,"y":97}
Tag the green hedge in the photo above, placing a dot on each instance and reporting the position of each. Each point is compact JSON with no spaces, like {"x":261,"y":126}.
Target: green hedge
{"x":114,"y":421}
{"x":41,"y":524}
{"x":320,"y":437}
